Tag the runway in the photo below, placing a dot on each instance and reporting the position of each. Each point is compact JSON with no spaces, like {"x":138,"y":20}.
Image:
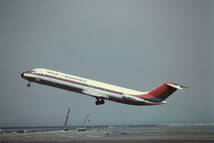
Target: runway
{"x":111,"y":134}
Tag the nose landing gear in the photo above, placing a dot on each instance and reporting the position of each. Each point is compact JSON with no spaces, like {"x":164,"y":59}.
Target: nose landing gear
{"x":28,"y":85}
{"x":99,"y":101}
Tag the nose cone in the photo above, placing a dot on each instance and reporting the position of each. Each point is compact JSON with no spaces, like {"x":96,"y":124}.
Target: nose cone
{"x":22,"y":75}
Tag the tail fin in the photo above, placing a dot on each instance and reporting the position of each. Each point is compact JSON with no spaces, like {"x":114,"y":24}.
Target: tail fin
{"x":162,"y":92}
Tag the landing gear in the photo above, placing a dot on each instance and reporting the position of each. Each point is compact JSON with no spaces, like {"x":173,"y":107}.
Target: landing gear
{"x":99,"y":101}
{"x":28,"y":85}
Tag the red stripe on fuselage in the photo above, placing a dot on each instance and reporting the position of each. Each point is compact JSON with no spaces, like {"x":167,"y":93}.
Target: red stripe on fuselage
{"x":79,"y":83}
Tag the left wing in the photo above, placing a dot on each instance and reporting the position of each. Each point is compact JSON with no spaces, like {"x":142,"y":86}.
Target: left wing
{"x":95,"y":94}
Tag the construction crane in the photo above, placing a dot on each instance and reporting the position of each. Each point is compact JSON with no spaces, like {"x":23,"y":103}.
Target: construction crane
{"x":66,"y":120}
{"x":83,"y":128}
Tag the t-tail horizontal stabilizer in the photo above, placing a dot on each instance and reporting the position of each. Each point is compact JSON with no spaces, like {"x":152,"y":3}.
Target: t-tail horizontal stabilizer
{"x":177,"y":86}
{"x":162,"y":92}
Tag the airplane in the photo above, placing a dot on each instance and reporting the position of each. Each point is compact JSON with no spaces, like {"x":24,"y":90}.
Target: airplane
{"x":99,"y":90}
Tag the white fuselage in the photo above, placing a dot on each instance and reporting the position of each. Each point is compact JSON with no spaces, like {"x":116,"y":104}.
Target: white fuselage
{"x":93,"y":88}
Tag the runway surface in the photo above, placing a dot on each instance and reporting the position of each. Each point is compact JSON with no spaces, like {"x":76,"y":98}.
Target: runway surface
{"x":111,"y":134}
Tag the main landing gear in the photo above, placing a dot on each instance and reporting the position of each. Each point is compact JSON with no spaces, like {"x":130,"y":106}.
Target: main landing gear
{"x":99,"y":101}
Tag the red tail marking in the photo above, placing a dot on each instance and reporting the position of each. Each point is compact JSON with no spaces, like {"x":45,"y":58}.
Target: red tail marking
{"x":161,"y":92}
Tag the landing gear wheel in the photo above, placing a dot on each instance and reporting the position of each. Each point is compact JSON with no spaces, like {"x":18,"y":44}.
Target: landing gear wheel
{"x":102,"y":101}
{"x":28,"y":85}
{"x":99,"y":101}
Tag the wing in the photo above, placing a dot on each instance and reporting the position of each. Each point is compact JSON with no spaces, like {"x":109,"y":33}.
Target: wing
{"x":95,"y":94}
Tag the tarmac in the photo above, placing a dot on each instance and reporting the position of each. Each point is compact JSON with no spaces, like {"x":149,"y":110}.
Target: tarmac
{"x":111,"y":134}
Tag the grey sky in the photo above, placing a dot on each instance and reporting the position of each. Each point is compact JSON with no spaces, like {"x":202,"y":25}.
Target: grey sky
{"x":137,"y":44}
